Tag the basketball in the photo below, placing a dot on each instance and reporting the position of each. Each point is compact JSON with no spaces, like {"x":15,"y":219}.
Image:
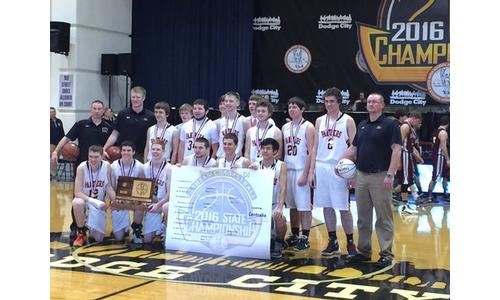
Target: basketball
{"x":346,"y":168}
{"x":114,"y":153}
{"x":70,"y":151}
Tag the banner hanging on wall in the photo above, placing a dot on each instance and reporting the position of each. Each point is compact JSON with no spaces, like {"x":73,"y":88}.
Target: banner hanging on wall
{"x":399,"y":48}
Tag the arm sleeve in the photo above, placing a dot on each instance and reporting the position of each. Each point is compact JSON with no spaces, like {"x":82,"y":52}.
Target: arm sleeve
{"x":118,"y":122}
{"x":396,"y":135}
{"x":73,"y":132}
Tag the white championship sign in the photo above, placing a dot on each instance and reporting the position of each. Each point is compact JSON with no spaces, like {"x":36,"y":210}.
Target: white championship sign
{"x":220,"y":211}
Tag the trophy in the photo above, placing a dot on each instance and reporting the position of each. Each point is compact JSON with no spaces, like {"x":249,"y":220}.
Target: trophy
{"x":133,"y":193}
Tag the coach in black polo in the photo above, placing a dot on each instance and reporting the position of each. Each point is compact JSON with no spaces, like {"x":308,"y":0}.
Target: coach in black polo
{"x":377,"y":149}
{"x":132,"y":123}
{"x":92,"y":131}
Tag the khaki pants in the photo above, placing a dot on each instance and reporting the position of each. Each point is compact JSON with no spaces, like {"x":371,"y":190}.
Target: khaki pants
{"x":371,"y":193}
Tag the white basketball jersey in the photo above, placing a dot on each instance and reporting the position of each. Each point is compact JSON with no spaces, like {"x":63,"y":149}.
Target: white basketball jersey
{"x":192,"y":161}
{"x":164,"y":134}
{"x":276,"y":167}
{"x":295,"y":145}
{"x":257,"y":135}
{"x":332,"y":138}
{"x":193,"y":129}
{"x":94,"y":182}
{"x":225,"y":164}
{"x":231,"y":126}
{"x":119,"y":169}
{"x":158,"y":173}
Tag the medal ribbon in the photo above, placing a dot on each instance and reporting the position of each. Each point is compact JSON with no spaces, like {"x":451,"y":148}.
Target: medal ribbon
{"x":197,"y":132}
{"x":234,"y":123}
{"x":93,"y":183}
{"x":162,"y":132}
{"x":235,"y":158}
{"x":204,"y":164}
{"x":152,"y":173}
{"x":294,"y":135}
{"x":271,"y":167}
{"x":258,"y":140}
{"x":122,"y":167}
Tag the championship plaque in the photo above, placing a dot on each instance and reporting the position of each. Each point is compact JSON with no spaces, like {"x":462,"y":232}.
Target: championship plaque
{"x":133,"y":193}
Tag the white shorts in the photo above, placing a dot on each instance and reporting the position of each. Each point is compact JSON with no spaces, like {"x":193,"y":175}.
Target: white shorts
{"x":298,"y":197}
{"x":96,"y":218}
{"x":152,"y":222}
{"x":120,"y":219}
{"x":331,"y":190}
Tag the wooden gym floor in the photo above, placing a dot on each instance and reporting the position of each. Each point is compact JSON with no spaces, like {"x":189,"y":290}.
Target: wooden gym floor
{"x":125,"y":271}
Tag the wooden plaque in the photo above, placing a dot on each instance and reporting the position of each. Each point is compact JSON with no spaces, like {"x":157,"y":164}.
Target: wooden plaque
{"x":133,"y":193}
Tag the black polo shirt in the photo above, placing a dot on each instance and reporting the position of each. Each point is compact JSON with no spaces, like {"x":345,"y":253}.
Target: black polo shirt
{"x":56,"y":131}
{"x":88,"y":134}
{"x":134,"y":126}
{"x":373,"y":141}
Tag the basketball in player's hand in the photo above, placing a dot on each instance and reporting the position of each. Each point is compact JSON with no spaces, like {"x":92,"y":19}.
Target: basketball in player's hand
{"x":346,"y":168}
{"x":70,"y":151}
{"x":114,"y":153}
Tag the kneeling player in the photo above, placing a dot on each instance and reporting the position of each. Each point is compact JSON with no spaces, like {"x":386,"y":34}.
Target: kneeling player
{"x":130,"y":167}
{"x":91,"y":184}
{"x":269,"y":149}
{"x":160,"y":171}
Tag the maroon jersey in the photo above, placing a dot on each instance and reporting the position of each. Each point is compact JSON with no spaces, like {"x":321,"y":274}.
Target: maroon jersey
{"x":409,"y":142}
{"x":439,"y":166}
{"x":406,"y":174}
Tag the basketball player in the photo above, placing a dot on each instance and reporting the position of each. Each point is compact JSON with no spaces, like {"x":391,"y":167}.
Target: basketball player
{"x":408,"y":154}
{"x":130,"y":167}
{"x":440,"y":157}
{"x":298,"y":136}
{"x":200,"y":126}
{"x":399,"y":117}
{"x":334,"y":133}
{"x":231,"y":160}
{"x":92,"y":182}
{"x":201,"y":156}
{"x":185,"y":113}
{"x":269,"y":151}
{"x":164,"y":131}
{"x":92,"y":131}
{"x":231,"y":122}
{"x":252,"y":104}
{"x":263,"y":129}
{"x":160,"y":171}
{"x":132,"y":123}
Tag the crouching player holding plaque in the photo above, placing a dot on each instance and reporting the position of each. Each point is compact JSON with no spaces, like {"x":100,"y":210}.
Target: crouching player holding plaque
{"x":269,"y":149}
{"x":92,"y":182}
{"x":129,"y":167}
{"x":161,"y":172}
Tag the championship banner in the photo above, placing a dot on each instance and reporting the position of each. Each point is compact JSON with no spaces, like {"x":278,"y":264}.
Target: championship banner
{"x":410,"y":45}
{"x":398,"y":48}
{"x":220,"y":211}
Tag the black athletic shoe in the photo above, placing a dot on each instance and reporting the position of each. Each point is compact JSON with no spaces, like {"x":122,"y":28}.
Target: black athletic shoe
{"x":72,"y":233}
{"x":136,"y":233}
{"x":277,"y":249}
{"x":292,"y":240}
{"x":332,"y":248}
{"x":383,"y":262}
{"x":358,"y":257}
{"x":302,"y":244}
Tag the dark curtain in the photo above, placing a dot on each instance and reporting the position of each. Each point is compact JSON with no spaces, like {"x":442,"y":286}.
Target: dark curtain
{"x":183,"y":50}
